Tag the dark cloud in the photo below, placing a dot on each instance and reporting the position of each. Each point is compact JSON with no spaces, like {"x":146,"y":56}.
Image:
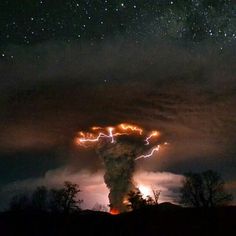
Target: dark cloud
{"x":188,"y":94}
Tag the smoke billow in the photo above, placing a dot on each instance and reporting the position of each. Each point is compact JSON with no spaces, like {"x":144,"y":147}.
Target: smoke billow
{"x":119,"y":163}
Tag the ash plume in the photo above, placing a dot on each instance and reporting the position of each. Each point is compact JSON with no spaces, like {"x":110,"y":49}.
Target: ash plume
{"x":119,"y":147}
{"x":119,"y":164}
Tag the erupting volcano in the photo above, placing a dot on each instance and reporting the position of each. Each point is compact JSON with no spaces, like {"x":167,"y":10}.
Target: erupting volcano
{"x":114,"y":212}
{"x":119,"y":147}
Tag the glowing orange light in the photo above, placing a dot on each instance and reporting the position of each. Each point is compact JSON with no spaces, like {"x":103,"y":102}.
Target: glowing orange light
{"x":153,"y":134}
{"x":131,"y":127}
{"x":110,"y":133}
{"x":114,"y":211}
{"x":96,"y":128}
{"x":89,"y":138}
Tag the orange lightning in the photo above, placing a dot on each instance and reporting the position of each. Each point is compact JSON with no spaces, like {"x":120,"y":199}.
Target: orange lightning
{"x":156,"y":149}
{"x":100,"y":135}
{"x":131,"y":127}
{"x":153,"y":134}
{"x":111,"y":132}
{"x":110,"y":129}
{"x":96,"y":128}
{"x":91,"y":137}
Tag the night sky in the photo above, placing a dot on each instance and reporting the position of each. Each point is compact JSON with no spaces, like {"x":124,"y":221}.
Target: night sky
{"x":69,"y":65}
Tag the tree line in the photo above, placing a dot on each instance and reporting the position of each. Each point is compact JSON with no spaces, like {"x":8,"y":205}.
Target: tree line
{"x":61,"y":200}
{"x":205,"y":189}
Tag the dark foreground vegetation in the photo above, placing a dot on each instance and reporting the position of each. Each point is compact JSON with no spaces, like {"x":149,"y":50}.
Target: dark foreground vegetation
{"x":164,"y":219}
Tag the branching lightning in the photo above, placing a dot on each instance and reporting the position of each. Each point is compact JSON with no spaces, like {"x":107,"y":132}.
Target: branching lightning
{"x":85,"y":138}
{"x":99,"y":133}
{"x":153,"y":134}
{"x":131,"y":127}
{"x":156,"y":149}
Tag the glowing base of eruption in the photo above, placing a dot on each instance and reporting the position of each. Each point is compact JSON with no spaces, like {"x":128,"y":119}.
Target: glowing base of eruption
{"x":119,"y":147}
{"x":114,"y":212}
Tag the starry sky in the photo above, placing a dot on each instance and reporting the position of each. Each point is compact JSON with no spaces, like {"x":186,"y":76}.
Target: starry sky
{"x":67,"y":65}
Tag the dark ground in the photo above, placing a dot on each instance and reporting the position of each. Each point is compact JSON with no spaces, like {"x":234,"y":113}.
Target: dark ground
{"x":163,"y":220}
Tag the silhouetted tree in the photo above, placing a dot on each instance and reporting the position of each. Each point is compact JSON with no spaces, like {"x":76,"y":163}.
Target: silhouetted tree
{"x":65,"y":199}
{"x":59,"y":200}
{"x":136,"y":200}
{"x":150,"y":200}
{"x":204,"y":189}
{"x":156,"y":194}
{"x":39,"y":199}
{"x":20,"y":203}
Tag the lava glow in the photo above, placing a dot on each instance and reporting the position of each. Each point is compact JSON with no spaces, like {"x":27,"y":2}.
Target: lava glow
{"x":114,"y":212}
{"x":110,"y":133}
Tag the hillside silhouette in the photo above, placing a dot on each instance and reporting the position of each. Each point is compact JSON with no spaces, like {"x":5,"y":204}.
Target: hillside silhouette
{"x":163,"y":219}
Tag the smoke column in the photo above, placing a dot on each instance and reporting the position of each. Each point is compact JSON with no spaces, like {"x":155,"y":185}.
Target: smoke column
{"x":119,"y":163}
{"x":119,"y":147}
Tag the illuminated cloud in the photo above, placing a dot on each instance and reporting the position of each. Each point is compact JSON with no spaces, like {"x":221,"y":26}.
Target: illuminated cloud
{"x":93,"y":187}
{"x":168,"y":183}
{"x":187,"y":95}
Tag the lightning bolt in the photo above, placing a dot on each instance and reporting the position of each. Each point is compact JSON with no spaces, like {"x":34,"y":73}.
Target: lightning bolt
{"x":153,"y":134}
{"x":131,"y":127}
{"x":96,"y":128}
{"x":92,"y":140}
{"x":89,"y":137}
{"x":110,"y":129}
{"x":156,"y":149}
{"x":110,"y":134}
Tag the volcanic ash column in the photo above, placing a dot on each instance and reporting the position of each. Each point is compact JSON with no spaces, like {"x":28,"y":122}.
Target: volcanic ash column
{"x":119,"y":163}
{"x":119,"y":147}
